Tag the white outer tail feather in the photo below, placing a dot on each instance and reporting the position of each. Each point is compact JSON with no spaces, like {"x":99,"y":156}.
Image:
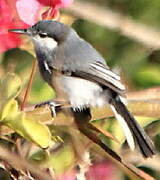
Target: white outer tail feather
{"x":127,"y":131}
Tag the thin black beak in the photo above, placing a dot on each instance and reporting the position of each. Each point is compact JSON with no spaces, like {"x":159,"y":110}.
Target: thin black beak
{"x":20,"y":31}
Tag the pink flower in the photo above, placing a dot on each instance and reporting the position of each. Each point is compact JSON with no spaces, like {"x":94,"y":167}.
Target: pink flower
{"x":56,"y":3}
{"x":9,"y":19}
{"x":21,"y":14}
{"x":102,"y":171}
{"x":29,"y":10}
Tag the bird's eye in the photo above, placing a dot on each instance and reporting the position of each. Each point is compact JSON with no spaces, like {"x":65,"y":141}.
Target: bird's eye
{"x":42,"y":35}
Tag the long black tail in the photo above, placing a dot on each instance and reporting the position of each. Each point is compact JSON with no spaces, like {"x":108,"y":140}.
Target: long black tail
{"x":141,"y":138}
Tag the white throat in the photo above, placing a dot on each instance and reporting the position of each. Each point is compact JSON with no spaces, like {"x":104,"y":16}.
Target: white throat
{"x":47,"y":42}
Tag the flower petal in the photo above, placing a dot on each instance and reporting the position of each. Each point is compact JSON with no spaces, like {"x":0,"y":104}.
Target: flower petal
{"x":28,"y":10}
{"x":56,"y":3}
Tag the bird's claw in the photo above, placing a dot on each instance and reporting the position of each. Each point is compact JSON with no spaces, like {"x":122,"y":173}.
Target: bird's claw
{"x":53,"y":106}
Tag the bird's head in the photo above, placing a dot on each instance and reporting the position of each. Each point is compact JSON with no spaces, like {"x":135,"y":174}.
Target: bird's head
{"x":45,"y":33}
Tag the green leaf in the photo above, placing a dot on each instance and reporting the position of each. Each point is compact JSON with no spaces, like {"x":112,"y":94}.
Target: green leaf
{"x":39,"y":156}
{"x":26,"y":127}
{"x":10,"y":87}
{"x":31,"y":130}
{"x":9,"y":110}
{"x":64,"y":154}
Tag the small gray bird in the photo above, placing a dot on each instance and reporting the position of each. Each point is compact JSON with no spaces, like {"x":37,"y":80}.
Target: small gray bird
{"x":73,"y":67}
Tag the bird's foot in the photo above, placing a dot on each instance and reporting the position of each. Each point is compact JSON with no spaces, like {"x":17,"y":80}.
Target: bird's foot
{"x":53,"y":106}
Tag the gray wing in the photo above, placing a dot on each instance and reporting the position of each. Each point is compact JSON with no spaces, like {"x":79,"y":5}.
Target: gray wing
{"x":98,"y":73}
{"x":112,"y":79}
{"x":78,"y":58}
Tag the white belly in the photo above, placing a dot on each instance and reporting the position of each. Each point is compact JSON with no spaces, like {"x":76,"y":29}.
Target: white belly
{"x":81,"y":93}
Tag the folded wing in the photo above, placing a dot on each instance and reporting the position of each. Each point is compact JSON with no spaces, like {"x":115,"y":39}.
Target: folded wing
{"x":99,"y":73}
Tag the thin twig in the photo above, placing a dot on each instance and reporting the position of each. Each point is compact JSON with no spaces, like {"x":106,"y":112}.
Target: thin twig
{"x":28,"y":85}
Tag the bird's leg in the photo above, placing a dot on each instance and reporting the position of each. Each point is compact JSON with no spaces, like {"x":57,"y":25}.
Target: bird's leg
{"x":54,"y":106}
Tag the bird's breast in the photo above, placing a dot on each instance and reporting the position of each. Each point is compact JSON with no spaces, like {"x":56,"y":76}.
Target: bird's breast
{"x":81,"y":93}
